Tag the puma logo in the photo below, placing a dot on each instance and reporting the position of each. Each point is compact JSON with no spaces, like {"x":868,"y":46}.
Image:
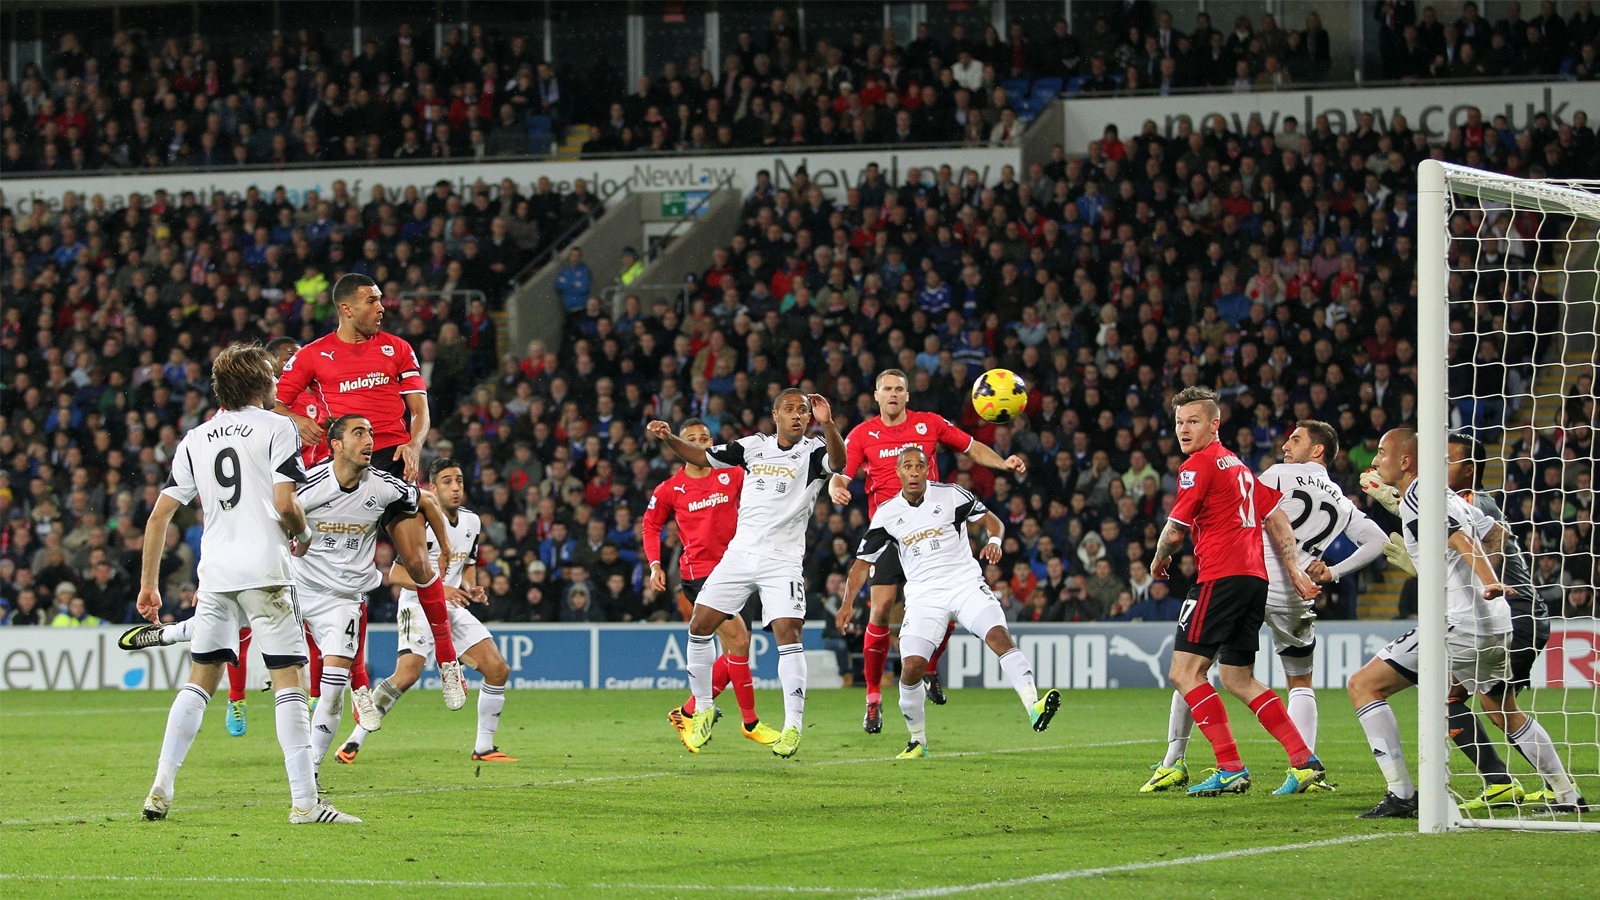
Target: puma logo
{"x":679,"y":488}
{"x":1122,"y":646}
{"x":327,"y":353}
{"x":873,"y":433}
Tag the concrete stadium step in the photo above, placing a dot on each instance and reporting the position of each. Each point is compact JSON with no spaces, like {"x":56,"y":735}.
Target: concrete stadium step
{"x":572,"y":144}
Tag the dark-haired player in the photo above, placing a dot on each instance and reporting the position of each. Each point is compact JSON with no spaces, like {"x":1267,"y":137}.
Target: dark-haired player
{"x":1318,"y":512}
{"x":416,"y":639}
{"x":784,"y":472}
{"x":875,"y":446}
{"x":361,"y":370}
{"x":705,"y":505}
{"x":1225,"y":508}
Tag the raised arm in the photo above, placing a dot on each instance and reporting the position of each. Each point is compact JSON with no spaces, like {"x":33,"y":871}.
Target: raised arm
{"x":984,"y":455}
{"x":823,"y":413}
{"x":694,"y":454}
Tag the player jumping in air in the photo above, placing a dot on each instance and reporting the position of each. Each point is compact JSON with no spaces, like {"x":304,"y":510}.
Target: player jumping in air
{"x":875,"y":446}
{"x":243,"y":465}
{"x":345,"y":498}
{"x":416,"y":639}
{"x":926,"y":522}
{"x":360,"y":369}
{"x":1318,"y":512}
{"x":1477,"y":639}
{"x":1221,"y":503}
{"x":784,"y":474}
{"x":706,"y":508}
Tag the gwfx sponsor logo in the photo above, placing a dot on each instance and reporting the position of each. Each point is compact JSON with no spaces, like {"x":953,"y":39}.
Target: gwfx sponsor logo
{"x":918,"y":537}
{"x":342,"y":527}
{"x":369,"y":380}
{"x":773,"y":471}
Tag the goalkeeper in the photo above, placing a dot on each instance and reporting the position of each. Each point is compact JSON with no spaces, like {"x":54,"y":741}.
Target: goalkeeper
{"x":1530,"y":631}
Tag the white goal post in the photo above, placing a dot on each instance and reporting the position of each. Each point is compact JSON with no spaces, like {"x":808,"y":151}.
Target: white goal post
{"x":1444,"y":190}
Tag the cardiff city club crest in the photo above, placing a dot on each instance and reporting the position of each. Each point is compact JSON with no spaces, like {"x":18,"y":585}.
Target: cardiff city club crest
{"x":723,"y":477}
{"x":922,"y":428}
{"x":388,"y":350}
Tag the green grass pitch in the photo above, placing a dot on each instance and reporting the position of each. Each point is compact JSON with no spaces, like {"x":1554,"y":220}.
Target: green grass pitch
{"x":607,"y":803}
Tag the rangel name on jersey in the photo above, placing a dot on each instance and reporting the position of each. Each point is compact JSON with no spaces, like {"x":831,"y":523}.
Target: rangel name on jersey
{"x":1318,"y":510}
{"x":345,"y":523}
{"x":932,"y":537}
{"x":233,"y":463}
{"x":778,"y":492}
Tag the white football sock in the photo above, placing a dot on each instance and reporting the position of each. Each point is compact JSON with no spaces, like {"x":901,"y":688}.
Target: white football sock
{"x":384,"y":695}
{"x":1303,"y":713}
{"x":176,"y":632}
{"x":491,"y":699}
{"x":183,"y":723}
{"x":293,"y":711}
{"x":792,"y":677}
{"x":1180,"y":723}
{"x":1535,"y":744}
{"x":913,"y":705}
{"x":1020,"y":672}
{"x":330,"y":709}
{"x":1383,"y":736}
{"x":702,"y":656}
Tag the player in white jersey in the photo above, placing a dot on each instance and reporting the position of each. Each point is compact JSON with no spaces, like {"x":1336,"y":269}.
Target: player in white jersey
{"x":785,"y":472}
{"x":243,"y":465}
{"x":1559,"y":793}
{"x":927,"y":524}
{"x":1478,"y":621}
{"x":1318,"y":511}
{"x":345,"y":499}
{"x":477,"y":647}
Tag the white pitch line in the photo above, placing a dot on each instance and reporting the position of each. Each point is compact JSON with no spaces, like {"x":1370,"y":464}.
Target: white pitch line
{"x":1051,"y":877}
{"x":388,"y":882}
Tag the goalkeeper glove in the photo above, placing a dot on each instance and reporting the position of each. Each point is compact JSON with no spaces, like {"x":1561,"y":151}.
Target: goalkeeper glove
{"x":1394,"y":550}
{"x":1383,"y":493}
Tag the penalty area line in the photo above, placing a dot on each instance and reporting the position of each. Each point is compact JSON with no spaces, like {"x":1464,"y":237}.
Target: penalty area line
{"x":1052,"y":877}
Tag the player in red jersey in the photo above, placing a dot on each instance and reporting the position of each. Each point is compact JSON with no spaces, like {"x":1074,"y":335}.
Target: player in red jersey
{"x":361,"y":370}
{"x":875,"y":445}
{"x":706,"y":507}
{"x":1225,"y":508}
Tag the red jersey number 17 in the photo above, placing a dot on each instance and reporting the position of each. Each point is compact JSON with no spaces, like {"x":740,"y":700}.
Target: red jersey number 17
{"x":1247,"y":498}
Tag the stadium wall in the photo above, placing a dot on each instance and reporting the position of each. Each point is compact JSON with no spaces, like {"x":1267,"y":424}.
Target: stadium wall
{"x":1434,"y":110}
{"x":830,"y":170}
{"x":634,"y":656}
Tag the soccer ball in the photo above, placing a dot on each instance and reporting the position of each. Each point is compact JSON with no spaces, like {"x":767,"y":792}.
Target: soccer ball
{"x":999,"y":395}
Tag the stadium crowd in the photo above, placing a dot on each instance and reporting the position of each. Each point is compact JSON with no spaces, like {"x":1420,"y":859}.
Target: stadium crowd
{"x":1277,"y":267}
{"x":110,"y":101}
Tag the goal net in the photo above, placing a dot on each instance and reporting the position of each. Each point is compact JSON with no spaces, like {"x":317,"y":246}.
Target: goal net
{"x":1507,"y":296}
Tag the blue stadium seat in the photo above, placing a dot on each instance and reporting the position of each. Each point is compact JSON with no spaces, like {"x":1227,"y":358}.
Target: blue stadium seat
{"x":1016,"y":89}
{"x":1046,"y":88}
{"x":1029,"y":109}
{"x":1077,"y":83}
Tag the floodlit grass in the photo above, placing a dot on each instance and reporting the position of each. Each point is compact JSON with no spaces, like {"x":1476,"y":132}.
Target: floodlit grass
{"x":607,"y":803}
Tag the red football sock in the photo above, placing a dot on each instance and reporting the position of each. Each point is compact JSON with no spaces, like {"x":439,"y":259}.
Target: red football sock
{"x":236,"y":673}
{"x":1269,"y":708}
{"x":315,"y":666}
{"x":933,"y":661}
{"x":431,"y":596}
{"x":739,"y":671}
{"x":875,"y":654}
{"x":1209,"y":714}
{"x":358,"y":668}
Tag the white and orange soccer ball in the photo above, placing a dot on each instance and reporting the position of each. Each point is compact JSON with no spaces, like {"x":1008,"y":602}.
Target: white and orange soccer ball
{"x":999,"y":395}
